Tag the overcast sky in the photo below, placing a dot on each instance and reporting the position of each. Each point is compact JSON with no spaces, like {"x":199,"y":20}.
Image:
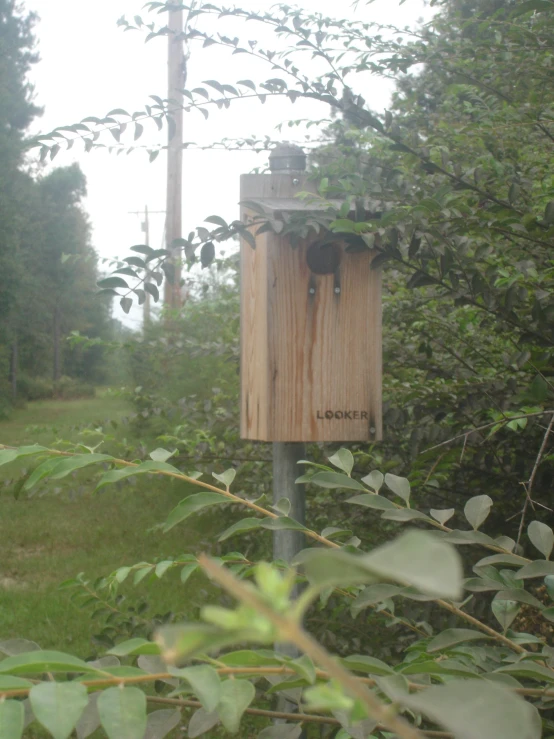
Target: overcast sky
{"x":88,"y":66}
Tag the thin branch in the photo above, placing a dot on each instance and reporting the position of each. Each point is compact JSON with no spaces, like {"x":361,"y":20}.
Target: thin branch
{"x":529,"y":484}
{"x":486,"y":426}
{"x":298,"y":717}
{"x":480,"y":625}
{"x":292,"y":632}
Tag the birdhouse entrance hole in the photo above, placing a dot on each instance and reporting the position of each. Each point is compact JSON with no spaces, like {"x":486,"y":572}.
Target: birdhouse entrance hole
{"x":323,"y":259}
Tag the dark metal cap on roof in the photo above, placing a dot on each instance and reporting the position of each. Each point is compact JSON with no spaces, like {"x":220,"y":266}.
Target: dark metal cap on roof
{"x":287,"y":158}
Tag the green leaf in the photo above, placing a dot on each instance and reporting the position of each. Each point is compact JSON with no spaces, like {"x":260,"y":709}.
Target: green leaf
{"x":474,"y":709}
{"x":9,"y":682}
{"x":344,"y":460}
{"x":281,"y":731}
{"x":529,"y":669}
{"x":440,"y":667}
{"x":399,"y":485}
{"x":160,"y":723}
{"x":11,"y":647}
{"x":250,"y":658}
{"x":217,"y":220}
{"x":191,"y":505}
{"x":374,"y":480}
{"x":43,"y":661}
{"x":143,"y":249}
{"x":207,"y":254}
{"x":69,"y":465}
{"x":468,"y":537}
{"x":185,"y":640}
{"x":122,"y":713}
{"x":58,"y":706}
{"x":12,"y":719}
{"x":44,"y":469}
{"x":90,"y":720}
{"x":133,"y":647}
{"x":226,"y":477}
{"x":477,"y":509}
{"x":333,"y":568}
{"x":112,"y":282}
{"x":201,"y":722}
{"x":541,"y":537}
{"x":505,"y":612}
{"x":236,"y":696}
{"x":538,"y":568}
{"x":333,"y":480}
{"x":415,"y":558}
{"x":374,"y":594}
{"x":282,"y":506}
{"x":405,"y":514}
{"x":333,"y":532}
{"x":419,"y":559}
{"x":367,"y":665}
{"x":113,"y":476}
{"x":187,"y":571}
{"x":9,"y":455}
{"x":205,"y":683}
{"x":520,"y":596}
{"x":161,"y":455}
{"x":245,"y":524}
{"x":304,"y":667}
{"x":451,"y":637}
{"x":281,"y":523}
{"x":500,"y":559}
{"x":373,"y":501}
{"x":442,"y":516}
{"x":530,"y":6}
{"x":126,"y":304}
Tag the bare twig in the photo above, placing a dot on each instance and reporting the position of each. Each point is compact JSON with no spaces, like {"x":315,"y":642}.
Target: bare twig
{"x":487,"y":426}
{"x":292,"y":632}
{"x":298,"y":717}
{"x":529,"y":484}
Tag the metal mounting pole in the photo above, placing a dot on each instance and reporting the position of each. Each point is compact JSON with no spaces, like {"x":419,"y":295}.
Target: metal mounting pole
{"x":288,"y":158}
{"x":286,"y":544}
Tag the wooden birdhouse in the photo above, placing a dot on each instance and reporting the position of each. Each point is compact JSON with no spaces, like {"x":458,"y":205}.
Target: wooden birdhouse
{"x":310,"y":323}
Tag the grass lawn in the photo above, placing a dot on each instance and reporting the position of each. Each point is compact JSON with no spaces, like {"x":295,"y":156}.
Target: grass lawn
{"x":62,"y":530}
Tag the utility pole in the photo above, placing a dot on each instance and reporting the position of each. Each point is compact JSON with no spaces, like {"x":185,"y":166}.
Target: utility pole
{"x":145,"y":228}
{"x":176,"y":69}
{"x":146,"y":305}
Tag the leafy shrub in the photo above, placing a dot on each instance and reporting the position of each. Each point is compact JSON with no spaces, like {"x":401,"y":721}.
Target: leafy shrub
{"x":34,"y":388}
{"x":480,"y":677}
{"x":67,"y":388}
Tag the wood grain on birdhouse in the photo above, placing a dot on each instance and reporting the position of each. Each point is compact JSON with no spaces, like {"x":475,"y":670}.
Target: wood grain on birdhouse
{"x":310,"y":332}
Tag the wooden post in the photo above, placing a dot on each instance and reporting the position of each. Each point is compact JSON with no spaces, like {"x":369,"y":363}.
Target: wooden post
{"x":175,"y":81}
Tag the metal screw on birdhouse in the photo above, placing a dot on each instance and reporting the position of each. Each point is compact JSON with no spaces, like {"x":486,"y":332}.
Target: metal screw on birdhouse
{"x":287,"y":158}
{"x":312,"y":291}
{"x":337,"y":290}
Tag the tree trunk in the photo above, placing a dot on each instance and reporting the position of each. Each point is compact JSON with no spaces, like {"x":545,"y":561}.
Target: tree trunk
{"x":56,"y":373}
